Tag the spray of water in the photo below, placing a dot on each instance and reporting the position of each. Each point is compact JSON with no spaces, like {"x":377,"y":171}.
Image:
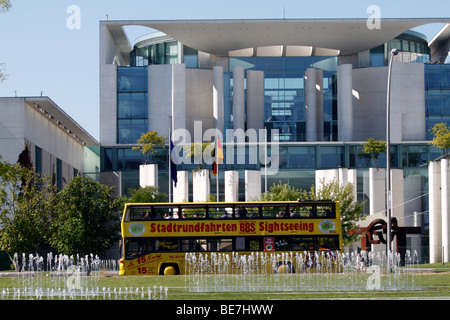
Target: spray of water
{"x":306,"y":271}
{"x":63,"y":277}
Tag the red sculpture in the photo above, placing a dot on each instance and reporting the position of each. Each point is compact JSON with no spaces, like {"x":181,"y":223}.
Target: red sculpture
{"x":375,"y":233}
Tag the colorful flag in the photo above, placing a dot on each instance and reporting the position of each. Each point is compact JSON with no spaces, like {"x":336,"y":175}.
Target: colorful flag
{"x":173,"y":166}
{"x":218,"y":158}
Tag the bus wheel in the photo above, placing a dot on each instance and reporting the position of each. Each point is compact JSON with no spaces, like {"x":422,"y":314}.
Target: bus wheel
{"x":283,"y":268}
{"x":169,"y":269}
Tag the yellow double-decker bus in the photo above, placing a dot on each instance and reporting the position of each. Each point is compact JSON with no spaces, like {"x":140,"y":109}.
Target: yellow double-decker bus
{"x":157,"y":236}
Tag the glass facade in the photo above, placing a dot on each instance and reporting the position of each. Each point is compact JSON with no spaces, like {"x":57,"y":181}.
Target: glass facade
{"x":284,"y":90}
{"x":437,"y":95}
{"x":297,"y":163}
{"x":156,"y":53}
{"x":411,"y":45}
{"x":132,"y":103}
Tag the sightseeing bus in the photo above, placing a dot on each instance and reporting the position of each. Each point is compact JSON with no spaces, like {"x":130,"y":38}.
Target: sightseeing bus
{"x":157,"y":236}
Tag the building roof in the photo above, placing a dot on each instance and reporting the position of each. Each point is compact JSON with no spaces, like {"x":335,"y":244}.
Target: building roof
{"x":62,"y":119}
{"x":219,"y":37}
{"x":440,"y":44}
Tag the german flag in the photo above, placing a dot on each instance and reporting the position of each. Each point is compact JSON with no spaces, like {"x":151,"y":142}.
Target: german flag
{"x":218,"y":159}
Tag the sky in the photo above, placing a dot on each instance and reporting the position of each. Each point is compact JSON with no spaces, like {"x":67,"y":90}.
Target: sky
{"x":44,"y":54}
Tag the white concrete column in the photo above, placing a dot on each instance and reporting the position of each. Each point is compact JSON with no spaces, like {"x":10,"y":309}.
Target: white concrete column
{"x":349,"y":176}
{"x":434,"y":189}
{"x":166,"y":97}
{"x":255,"y":100}
{"x":178,"y":96}
{"x":218,"y":102}
{"x":148,"y":175}
{"x":408,"y":102}
{"x":201,"y":185}
{"x":377,"y":190}
{"x":310,"y":104}
{"x":319,"y":104}
{"x":252,"y":185}
{"x":345,"y":102}
{"x":238,"y":98}
{"x":231,"y":186}
{"x":181,"y":191}
{"x":159,"y":98}
{"x":108,"y":105}
{"x":445,"y":189}
{"x":413,"y":190}
{"x":342,"y":175}
{"x":328,"y":175}
{"x":397,"y":195}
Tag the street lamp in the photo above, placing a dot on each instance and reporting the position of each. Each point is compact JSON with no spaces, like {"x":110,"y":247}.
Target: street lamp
{"x":393,"y":53}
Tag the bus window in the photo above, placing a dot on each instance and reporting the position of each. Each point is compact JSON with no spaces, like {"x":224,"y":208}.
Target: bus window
{"x":304,"y":243}
{"x":167,"y":245}
{"x":193,"y":213}
{"x":303,"y":211}
{"x":137,"y":247}
{"x":327,"y":243}
{"x":127,"y":215}
{"x":253,"y":211}
{"x":220,"y":212}
{"x":138,"y":213}
{"x":326,"y":211}
{"x":241,"y":212}
{"x":281,"y":243}
{"x":163,"y":212}
{"x":193,"y":245}
{"x":275,"y":212}
{"x":220,"y":245}
{"x":240,"y":243}
{"x":254,"y":245}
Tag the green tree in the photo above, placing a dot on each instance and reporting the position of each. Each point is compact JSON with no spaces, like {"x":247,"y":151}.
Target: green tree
{"x":148,"y":143}
{"x":441,"y":138}
{"x":147,"y":194}
{"x":5,"y":5}
{"x":284,"y":192}
{"x":350,"y":209}
{"x":3,"y":75}
{"x":196,"y":150}
{"x":86,"y":218}
{"x":374,"y":148}
{"x":26,"y":203}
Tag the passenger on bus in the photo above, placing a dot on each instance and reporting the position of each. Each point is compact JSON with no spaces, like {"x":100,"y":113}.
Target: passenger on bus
{"x":224,"y":215}
{"x":242,"y":212}
{"x":147,"y":216}
{"x":293,"y":214}
{"x":168,"y":215}
{"x":281,"y":214}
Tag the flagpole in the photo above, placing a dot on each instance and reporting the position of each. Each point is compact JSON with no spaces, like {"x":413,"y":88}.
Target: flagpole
{"x":170,"y":169}
{"x":217,"y":164}
{"x":265,"y":159}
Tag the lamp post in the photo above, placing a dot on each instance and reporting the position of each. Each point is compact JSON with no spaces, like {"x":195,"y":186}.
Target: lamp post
{"x":393,"y":53}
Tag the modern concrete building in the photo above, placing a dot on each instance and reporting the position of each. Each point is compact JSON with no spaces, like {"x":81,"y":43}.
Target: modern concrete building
{"x":57,"y":144}
{"x":319,"y":84}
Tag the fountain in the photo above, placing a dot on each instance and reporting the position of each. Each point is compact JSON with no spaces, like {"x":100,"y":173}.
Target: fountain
{"x":299,"y":271}
{"x":63,"y":277}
